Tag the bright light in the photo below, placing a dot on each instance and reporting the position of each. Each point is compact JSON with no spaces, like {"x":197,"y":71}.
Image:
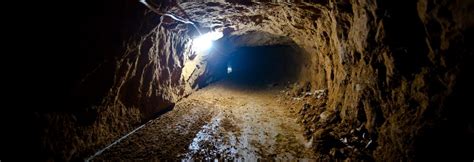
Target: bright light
{"x":229,"y":70}
{"x":204,"y":42}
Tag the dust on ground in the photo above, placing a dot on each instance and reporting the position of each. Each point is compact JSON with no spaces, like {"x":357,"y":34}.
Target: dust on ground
{"x":221,"y":121}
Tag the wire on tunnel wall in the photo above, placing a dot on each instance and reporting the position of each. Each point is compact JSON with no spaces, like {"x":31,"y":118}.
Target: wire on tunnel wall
{"x":172,"y":16}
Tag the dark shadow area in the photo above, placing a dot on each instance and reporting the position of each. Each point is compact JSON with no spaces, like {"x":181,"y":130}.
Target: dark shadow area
{"x":263,"y":65}
{"x":453,"y":136}
{"x":256,"y":67}
{"x":68,"y":65}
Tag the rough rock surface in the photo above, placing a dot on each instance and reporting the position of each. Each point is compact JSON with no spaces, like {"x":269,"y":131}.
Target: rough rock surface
{"x":390,"y":70}
{"x":391,"y":79}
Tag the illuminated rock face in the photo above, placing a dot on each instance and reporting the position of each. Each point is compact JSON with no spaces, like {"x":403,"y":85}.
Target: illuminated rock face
{"x":394,"y":69}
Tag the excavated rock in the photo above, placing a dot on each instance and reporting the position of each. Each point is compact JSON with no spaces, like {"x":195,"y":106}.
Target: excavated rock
{"x":389,"y":68}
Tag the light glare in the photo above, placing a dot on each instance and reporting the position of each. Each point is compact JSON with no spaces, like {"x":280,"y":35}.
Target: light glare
{"x":204,"y":42}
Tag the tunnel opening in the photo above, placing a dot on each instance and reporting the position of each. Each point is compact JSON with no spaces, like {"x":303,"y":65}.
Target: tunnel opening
{"x":261,"y":66}
{"x":254,"y":60}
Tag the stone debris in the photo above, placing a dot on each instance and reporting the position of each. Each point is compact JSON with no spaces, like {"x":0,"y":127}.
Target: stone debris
{"x":320,"y":93}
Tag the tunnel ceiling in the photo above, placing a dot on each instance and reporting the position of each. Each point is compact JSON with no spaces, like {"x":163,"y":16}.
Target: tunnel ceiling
{"x":391,"y":80}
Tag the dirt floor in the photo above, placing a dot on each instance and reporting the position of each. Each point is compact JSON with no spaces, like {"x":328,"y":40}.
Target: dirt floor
{"x":221,"y":121}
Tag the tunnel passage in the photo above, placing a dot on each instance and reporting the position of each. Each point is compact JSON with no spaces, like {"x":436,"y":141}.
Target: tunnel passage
{"x":258,"y":66}
{"x":395,"y":69}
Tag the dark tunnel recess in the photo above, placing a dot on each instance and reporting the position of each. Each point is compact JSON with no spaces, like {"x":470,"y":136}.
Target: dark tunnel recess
{"x":257,"y":66}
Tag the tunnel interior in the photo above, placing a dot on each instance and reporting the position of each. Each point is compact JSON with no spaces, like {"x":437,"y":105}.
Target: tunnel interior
{"x":259,"y":66}
{"x":326,"y":80}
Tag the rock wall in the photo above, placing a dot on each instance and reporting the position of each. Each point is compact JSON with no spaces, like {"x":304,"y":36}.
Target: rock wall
{"x":392,"y":70}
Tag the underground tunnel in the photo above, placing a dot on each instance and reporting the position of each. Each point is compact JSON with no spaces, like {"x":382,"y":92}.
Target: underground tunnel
{"x":269,"y":64}
{"x":326,"y":80}
{"x":262,"y":65}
